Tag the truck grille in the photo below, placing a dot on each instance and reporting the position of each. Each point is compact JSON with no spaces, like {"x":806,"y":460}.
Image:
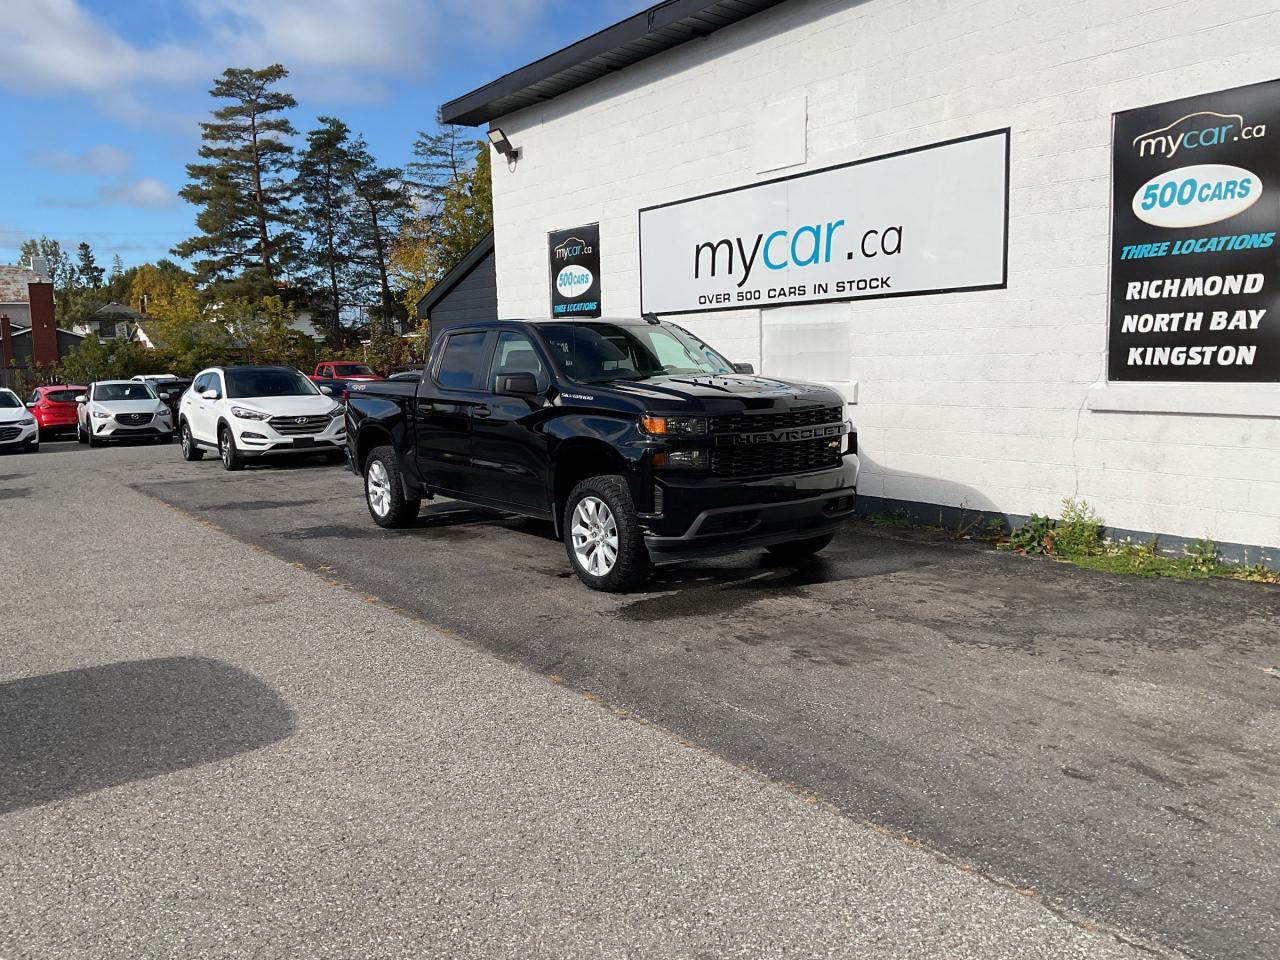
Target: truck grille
{"x":751,"y":422}
{"x":772,"y":459}
{"x":299,"y":426}
{"x":133,"y":419}
{"x":9,"y":433}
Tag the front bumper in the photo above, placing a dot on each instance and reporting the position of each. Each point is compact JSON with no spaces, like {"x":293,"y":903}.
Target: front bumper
{"x":8,"y":438}
{"x":113,"y":429}
{"x":258,"y":438}
{"x":708,"y":516}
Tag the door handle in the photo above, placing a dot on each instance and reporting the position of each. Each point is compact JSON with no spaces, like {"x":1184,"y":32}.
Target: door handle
{"x":480,"y":410}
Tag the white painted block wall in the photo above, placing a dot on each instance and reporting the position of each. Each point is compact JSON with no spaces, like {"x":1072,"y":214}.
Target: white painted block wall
{"x":993,"y":400}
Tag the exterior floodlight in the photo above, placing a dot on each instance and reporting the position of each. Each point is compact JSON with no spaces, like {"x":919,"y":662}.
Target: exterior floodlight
{"x":502,"y":144}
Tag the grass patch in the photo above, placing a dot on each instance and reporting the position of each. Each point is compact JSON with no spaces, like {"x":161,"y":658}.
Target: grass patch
{"x":1077,"y":538}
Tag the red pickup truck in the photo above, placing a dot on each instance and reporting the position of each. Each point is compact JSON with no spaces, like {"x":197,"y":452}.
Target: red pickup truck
{"x":343,"y":370}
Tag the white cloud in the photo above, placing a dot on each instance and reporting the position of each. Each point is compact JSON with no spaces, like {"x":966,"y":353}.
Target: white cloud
{"x":102,"y":159}
{"x":56,"y":45}
{"x":143,"y":192}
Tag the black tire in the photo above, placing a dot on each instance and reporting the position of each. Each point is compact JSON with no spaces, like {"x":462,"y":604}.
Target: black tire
{"x":31,"y":446}
{"x":631,"y":564}
{"x":800,"y":549}
{"x":190,"y":451}
{"x":80,"y":437}
{"x":227,"y":452}
{"x":384,"y":491}
{"x":93,"y":441}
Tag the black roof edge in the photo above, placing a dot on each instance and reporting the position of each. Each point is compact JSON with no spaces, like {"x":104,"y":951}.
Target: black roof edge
{"x":456,"y":275}
{"x":483,"y":104}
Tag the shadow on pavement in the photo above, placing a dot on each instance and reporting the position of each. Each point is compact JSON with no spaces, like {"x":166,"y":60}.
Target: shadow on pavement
{"x":65,"y":734}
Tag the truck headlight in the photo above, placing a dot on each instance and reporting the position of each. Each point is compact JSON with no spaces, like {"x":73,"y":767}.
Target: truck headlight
{"x":244,"y":413}
{"x":673,"y":426}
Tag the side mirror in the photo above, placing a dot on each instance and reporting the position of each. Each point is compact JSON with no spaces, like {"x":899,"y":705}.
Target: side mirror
{"x":327,"y":391}
{"x":519,"y":384}
{"x":81,"y":398}
{"x":163,"y":396}
{"x":209,"y":395}
{"x":744,"y":368}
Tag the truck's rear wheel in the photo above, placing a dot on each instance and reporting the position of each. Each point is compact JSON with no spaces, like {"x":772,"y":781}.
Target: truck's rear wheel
{"x":602,"y":535}
{"x":384,"y":493}
{"x":800,"y":549}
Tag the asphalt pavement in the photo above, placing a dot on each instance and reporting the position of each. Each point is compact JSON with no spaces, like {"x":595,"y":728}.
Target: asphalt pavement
{"x":238,"y":719}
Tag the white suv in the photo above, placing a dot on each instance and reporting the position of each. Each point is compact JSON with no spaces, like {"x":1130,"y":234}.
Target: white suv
{"x":244,"y":412}
{"x":120,"y":410}
{"x":17,"y":426}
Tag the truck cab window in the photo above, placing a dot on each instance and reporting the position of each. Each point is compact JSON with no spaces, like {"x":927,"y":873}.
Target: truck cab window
{"x":515,"y":354}
{"x":462,"y":365}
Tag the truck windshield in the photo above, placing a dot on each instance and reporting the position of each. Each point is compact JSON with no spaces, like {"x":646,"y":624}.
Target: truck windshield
{"x":599,"y":352}
{"x":268,"y":382}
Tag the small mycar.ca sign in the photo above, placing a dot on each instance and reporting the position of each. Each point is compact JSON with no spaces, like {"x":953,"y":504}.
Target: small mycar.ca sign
{"x":575,"y":271}
{"x":1195,"y":277}
{"x":932,"y":219}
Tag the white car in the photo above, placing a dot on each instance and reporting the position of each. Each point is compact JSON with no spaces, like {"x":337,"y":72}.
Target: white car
{"x":17,"y":425}
{"x":121,"y":410}
{"x":244,"y":412}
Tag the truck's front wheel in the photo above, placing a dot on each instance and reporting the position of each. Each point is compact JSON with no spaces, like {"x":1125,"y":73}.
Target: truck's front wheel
{"x":384,"y":493}
{"x":602,"y":535}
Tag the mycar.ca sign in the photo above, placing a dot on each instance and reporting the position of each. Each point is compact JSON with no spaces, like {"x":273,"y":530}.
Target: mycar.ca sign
{"x":929,"y":220}
{"x":1195,"y":278}
{"x":575,"y":271}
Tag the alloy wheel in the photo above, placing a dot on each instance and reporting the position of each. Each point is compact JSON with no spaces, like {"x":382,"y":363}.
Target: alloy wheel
{"x":378,"y":488}
{"x":595,"y":536}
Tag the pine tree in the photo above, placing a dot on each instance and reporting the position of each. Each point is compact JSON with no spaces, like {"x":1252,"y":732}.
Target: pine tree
{"x":117,"y":269}
{"x":379,"y":201}
{"x":324,"y":188}
{"x":243,"y":186}
{"x":440,"y":161}
{"x":88,"y":272}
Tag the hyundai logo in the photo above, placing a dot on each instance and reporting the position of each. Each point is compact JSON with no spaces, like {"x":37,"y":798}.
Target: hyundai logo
{"x":299,"y":419}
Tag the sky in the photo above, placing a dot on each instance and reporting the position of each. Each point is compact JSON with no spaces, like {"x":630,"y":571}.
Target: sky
{"x":102,"y":98}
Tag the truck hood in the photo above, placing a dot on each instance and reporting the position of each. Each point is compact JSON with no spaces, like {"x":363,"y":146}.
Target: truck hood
{"x":719,"y":394}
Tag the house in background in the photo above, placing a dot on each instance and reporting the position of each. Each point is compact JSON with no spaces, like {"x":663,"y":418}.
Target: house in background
{"x":110,"y":321}
{"x":21,"y":345}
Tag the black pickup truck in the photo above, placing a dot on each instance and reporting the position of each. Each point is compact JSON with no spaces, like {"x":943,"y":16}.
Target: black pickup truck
{"x":637,"y":440}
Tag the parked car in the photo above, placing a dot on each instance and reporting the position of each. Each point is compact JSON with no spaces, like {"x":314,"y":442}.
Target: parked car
{"x":170,"y":391}
{"x":639,"y":442}
{"x":54,"y":408}
{"x":246,"y":411}
{"x":121,"y":410}
{"x":343,"y":370}
{"x":18,"y":427}
{"x":151,"y":378}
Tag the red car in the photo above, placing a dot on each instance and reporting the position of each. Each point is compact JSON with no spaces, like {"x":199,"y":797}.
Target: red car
{"x":54,"y":408}
{"x":343,"y":370}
